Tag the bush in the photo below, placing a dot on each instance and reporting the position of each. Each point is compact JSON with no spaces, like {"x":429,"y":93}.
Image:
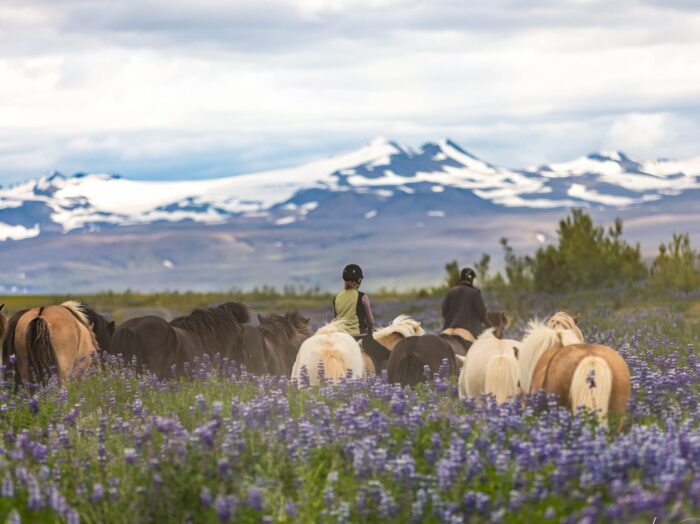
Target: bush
{"x":587,"y":256}
{"x":677,"y":265}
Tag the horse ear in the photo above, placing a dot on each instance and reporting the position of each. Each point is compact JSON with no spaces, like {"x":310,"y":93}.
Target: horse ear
{"x":260,"y":318}
{"x":2,"y":306}
{"x":577,"y":317}
{"x":111,"y":326}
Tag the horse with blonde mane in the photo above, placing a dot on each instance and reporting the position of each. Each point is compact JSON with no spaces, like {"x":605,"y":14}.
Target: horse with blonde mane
{"x":556,"y":360}
{"x":400,"y":328}
{"x":49,"y":339}
{"x":490,"y":367}
{"x":332,"y":347}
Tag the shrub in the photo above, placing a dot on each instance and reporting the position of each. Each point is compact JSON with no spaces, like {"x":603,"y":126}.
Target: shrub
{"x":677,"y":265}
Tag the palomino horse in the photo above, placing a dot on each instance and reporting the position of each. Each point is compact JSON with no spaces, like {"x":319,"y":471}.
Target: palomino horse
{"x":163,"y":347}
{"x":490,"y":367}
{"x":589,"y":375}
{"x":49,"y":338}
{"x":332,"y":347}
{"x":461,"y":340}
{"x":411,"y":355}
{"x":400,"y":328}
{"x":273,"y":344}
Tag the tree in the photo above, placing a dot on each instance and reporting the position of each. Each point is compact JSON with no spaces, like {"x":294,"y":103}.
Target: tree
{"x":677,"y":266}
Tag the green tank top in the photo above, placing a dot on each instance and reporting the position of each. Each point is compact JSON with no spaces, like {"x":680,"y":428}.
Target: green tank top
{"x":346,"y":310}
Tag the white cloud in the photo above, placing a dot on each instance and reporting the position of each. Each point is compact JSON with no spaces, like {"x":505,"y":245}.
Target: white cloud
{"x":153,"y":81}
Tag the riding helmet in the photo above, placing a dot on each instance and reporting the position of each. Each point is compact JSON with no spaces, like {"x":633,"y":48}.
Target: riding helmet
{"x":468,"y":274}
{"x":352,"y":273}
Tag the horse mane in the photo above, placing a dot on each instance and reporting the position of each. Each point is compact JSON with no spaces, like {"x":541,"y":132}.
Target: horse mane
{"x":402,"y":325}
{"x":539,"y":337}
{"x":337,"y":326}
{"x":564,"y":320}
{"x":78,"y":311}
{"x":217,"y":327}
{"x":279,"y":329}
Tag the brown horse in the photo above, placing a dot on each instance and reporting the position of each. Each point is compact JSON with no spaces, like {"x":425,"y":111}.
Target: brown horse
{"x":386,"y":339}
{"x":165,"y":348}
{"x":3,"y":323}
{"x":272,"y":346}
{"x":590,"y":375}
{"x":48,"y":339}
{"x":461,"y":340}
{"x":411,"y":355}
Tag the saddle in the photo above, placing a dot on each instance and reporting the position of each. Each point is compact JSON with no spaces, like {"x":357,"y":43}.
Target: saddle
{"x":460,"y":339}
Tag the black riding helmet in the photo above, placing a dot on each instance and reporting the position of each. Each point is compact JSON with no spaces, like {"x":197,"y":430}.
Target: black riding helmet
{"x":468,"y":274}
{"x":352,"y":273}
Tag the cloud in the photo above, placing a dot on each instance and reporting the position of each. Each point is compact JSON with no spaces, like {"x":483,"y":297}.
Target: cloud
{"x":129,"y":86}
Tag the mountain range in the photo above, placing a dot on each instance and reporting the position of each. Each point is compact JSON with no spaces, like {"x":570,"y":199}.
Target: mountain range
{"x":402,"y":212}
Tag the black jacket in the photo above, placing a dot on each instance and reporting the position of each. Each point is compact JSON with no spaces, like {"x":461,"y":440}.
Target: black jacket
{"x":463,"y":307}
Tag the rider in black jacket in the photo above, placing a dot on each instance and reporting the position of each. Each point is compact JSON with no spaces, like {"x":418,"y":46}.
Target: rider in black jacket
{"x":463,"y":306}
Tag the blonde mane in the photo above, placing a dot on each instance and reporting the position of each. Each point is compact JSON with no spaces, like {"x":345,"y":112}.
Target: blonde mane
{"x":76,"y":308}
{"x":539,"y":337}
{"x":402,"y":325}
{"x":337,"y":326}
{"x":564,"y":320}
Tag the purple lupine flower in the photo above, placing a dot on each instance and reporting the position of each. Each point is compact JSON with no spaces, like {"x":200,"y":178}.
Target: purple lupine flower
{"x":205,"y":497}
{"x":98,"y":493}
{"x":33,"y":405}
{"x":130,"y":455}
{"x":255,"y":498}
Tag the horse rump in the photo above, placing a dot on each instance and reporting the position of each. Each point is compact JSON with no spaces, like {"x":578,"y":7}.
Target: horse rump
{"x":405,"y":366}
{"x":334,"y":367}
{"x":41,"y":354}
{"x":591,"y":385}
{"x":501,"y":378}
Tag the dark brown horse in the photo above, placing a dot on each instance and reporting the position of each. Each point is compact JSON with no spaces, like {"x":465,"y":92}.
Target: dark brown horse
{"x":272,"y":346}
{"x":164,"y":348}
{"x":411,"y":355}
{"x":3,"y":323}
{"x":460,"y":340}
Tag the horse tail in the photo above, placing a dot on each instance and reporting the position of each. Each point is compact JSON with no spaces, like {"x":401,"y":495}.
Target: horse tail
{"x":502,"y":377}
{"x":40,"y":351}
{"x":333,"y":364}
{"x":124,"y":342}
{"x":591,"y":385}
{"x":405,"y":366}
{"x":9,"y":348}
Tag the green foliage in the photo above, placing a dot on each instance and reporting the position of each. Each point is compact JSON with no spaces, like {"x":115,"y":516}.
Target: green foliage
{"x":677,"y":265}
{"x":586,"y":256}
{"x":452,"y":277}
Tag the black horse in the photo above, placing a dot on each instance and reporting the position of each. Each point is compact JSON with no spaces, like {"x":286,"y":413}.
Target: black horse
{"x":101,"y":327}
{"x":272,"y":346}
{"x":162,"y":347}
{"x":412,"y":354}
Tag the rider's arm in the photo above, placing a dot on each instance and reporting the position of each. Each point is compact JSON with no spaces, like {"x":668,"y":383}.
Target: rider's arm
{"x":368,"y":313}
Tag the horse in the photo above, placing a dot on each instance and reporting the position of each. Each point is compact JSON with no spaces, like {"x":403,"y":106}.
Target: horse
{"x":49,"y":338}
{"x":332,"y":347}
{"x":410,"y":356}
{"x":400,"y":328}
{"x":162,"y":347}
{"x":3,"y":323}
{"x":461,"y":339}
{"x":490,"y":367}
{"x":593,"y":376}
{"x":272,"y":346}
{"x":102,"y":328}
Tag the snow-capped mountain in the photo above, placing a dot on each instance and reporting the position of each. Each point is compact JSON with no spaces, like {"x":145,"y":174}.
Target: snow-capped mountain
{"x":402,"y":212}
{"x":383,"y":170}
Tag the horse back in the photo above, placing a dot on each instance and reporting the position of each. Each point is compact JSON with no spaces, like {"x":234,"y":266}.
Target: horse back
{"x":150,"y":341}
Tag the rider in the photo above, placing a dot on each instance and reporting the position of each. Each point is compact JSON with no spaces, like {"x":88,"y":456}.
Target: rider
{"x":352,"y":307}
{"x":463,"y":306}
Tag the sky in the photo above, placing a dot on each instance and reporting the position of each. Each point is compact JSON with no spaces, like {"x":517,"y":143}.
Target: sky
{"x":164,"y":89}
